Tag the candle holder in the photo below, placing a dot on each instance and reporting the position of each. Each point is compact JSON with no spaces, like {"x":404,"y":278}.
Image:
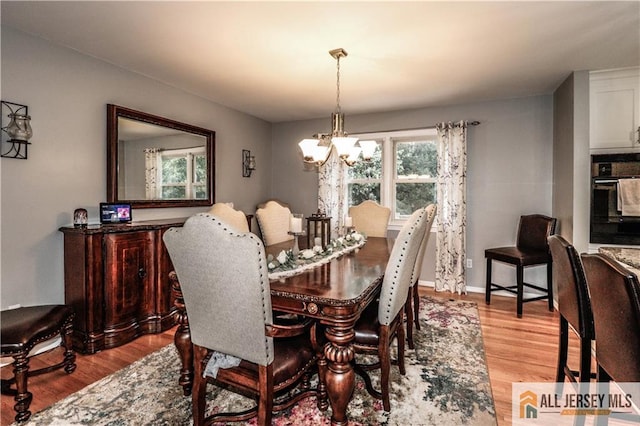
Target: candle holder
{"x":296,"y":248}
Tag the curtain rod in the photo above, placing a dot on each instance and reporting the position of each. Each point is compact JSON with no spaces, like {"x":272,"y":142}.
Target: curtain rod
{"x":469,"y":123}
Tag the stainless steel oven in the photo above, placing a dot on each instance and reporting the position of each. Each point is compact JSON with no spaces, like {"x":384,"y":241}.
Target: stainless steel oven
{"x":608,"y":225}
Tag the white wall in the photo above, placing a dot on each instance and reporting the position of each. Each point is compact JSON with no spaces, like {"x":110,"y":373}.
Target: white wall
{"x":67,"y":94}
{"x":509,"y":169}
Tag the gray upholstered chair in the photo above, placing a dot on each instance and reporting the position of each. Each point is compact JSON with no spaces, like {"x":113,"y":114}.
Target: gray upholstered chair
{"x":381,"y":322}
{"x":413,"y":298}
{"x":370,"y":218}
{"x":225,"y":284}
{"x":273,"y":218}
{"x":234,"y":218}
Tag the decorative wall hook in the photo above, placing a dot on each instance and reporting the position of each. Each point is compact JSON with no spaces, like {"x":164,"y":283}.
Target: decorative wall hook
{"x":18,"y":130}
{"x":248,"y":163}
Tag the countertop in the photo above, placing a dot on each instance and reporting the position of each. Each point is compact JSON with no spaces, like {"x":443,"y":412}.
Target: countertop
{"x":628,"y":256}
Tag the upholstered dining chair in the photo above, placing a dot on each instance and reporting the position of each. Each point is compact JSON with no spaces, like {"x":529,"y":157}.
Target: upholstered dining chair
{"x":225,"y":284}
{"x":382,"y":322}
{"x":273,"y":221}
{"x":574,"y":307}
{"x":413,"y":297}
{"x":234,"y":218}
{"x":370,"y":218}
{"x":531,"y":249}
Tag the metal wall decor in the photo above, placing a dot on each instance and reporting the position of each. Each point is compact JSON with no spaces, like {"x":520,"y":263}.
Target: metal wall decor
{"x":18,"y":130}
{"x":248,"y":163}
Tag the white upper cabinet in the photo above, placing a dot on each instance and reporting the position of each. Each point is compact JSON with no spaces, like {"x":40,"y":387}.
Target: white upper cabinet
{"x":614,"y":104}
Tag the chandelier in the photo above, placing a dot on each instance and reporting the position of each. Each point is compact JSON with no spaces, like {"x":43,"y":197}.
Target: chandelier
{"x":318,"y":149}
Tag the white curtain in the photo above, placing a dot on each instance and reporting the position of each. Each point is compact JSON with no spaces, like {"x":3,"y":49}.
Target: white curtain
{"x":452,"y":207}
{"x":332,"y":191}
{"x":151,"y":172}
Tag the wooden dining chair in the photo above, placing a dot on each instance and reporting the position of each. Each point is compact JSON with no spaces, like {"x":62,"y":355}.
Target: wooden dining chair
{"x":370,"y":218}
{"x":531,"y":249}
{"x":273,"y":222}
{"x":234,"y":218}
{"x":574,"y":307}
{"x":383,"y":322}
{"x":412,"y":307}
{"x":225,"y":285}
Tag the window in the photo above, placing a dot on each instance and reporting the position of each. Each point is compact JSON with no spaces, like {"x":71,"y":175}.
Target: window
{"x":401,"y":175}
{"x":183,"y":173}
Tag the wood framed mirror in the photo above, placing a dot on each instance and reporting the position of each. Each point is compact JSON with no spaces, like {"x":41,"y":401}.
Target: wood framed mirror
{"x":155,"y":162}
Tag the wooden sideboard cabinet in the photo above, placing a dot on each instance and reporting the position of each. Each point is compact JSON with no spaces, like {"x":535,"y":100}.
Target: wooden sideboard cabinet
{"x":117,"y":280}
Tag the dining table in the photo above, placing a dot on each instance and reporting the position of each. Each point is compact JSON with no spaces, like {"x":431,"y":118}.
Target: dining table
{"x":334,"y":294}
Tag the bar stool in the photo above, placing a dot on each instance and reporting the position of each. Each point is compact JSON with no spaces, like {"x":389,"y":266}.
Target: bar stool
{"x":21,"y":330}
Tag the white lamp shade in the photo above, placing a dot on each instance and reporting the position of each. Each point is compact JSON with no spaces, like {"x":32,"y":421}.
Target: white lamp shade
{"x":368,"y":148}
{"x":321,"y":153}
{"x":343,"y":145}
{"x":308,"y":147}
{"x":354,"y":152}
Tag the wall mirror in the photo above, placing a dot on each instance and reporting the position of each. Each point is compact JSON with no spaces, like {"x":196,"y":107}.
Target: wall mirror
{"x":157,"y":162}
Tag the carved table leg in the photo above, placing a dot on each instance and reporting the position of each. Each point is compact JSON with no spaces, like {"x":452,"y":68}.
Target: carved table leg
{"x":339,"y":375}
{"x":182,"y":338}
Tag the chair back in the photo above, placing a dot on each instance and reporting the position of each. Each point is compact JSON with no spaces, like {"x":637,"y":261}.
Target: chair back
{"x":574,"y":302}
{"x":370,"y":218}
{"x":533,"y":231}
{"x":431,"y":214}
{"x":225,"y":284}
{"x":397,"y":276}
{"x":615,"y":298}
{"x":273,"y":220}
{"x":232,"y":217}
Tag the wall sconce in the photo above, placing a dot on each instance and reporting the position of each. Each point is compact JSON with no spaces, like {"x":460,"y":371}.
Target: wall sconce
{"x":248,"y":163}
{"x":18,"y":130}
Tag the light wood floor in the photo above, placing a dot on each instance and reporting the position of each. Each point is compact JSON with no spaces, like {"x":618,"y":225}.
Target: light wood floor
{"x":517,"y":350}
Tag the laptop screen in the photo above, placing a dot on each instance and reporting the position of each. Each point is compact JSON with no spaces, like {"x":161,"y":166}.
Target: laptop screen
{"x":115,"y":213}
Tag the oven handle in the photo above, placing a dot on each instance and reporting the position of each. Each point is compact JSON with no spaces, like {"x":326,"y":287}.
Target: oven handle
{"x":605,"y":181}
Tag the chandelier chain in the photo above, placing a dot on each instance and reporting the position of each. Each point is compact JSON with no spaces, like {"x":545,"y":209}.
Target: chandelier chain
{"x":338,"y":86}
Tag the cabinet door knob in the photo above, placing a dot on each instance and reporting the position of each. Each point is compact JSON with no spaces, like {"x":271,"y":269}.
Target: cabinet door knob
{"x":142,"y":273}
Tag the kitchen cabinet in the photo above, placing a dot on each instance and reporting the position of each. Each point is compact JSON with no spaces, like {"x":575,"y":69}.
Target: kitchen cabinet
{"x":614,"y":105}
{"x":117,"y":280}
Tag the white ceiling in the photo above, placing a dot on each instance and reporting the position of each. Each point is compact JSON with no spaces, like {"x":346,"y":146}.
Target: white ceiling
{"x":271,"y":60}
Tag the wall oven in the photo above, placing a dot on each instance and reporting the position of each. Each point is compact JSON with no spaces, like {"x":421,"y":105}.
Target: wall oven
{"x":608,"y":223}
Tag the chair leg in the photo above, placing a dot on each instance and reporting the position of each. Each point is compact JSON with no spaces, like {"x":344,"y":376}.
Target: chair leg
{"x":265,"y":405}
{"x":69,"y":354}
{"x":199,"y":389}
{"x":409,"y":311}
{"x":416,"y":306}
{"x":585,"y":359}
{"x":487,"y":291}
{"x":23,"y":396}
{"x":520,"y":295}
{"x":550,"y":284}
{"x":385,"y":366}
{"x":563,"y":351}
{"x":400,"y":339}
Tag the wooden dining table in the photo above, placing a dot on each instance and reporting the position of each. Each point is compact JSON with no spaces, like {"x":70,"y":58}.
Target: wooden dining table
{"x":334,"y":294}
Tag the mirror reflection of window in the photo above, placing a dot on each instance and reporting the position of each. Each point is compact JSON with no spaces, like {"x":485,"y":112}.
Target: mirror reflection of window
{"x":146,"y":177}
{"x":183,"y":173}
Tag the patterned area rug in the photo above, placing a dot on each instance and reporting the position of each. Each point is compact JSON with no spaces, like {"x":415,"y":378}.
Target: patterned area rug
{"x":446,"y":384}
